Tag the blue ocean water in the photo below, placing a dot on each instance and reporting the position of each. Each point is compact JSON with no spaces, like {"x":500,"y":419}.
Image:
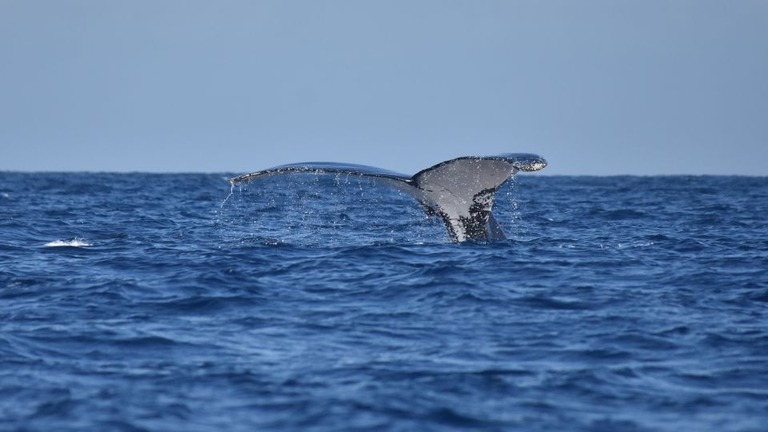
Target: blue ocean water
{"x":138,"y":302}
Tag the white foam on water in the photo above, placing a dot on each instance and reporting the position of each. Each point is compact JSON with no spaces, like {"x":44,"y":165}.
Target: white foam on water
{"x":73,"y":242}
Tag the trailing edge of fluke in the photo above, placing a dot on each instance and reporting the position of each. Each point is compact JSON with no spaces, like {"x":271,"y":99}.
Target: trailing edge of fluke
{"x":460,"y":191}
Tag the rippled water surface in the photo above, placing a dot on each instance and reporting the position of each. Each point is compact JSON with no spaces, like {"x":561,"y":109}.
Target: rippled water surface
{"x":171,"y":303}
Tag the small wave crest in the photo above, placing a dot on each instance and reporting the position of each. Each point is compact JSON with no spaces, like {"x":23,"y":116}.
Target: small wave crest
{"x":73,"y":242}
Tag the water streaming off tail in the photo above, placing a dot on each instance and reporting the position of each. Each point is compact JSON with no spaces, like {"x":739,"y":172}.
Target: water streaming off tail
{"x":310,"y":209}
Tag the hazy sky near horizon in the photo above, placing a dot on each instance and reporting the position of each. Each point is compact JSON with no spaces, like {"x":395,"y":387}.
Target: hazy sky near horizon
{"x":596,"y":87}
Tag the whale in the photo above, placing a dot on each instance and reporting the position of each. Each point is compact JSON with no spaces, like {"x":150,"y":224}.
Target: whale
{"x":460,"y":191}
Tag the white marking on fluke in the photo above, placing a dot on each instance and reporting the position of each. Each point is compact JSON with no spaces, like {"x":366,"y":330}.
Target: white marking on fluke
{"x":460,"y":191}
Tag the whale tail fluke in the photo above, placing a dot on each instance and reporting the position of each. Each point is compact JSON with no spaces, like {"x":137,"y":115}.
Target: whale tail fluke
{"x":461,"y":191}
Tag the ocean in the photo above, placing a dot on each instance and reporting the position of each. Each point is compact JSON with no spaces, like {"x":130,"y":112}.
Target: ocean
{"x":173,"y":302}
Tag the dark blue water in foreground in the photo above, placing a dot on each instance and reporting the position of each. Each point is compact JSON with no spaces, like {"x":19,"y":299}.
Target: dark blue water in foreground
{"x":140,"y":302}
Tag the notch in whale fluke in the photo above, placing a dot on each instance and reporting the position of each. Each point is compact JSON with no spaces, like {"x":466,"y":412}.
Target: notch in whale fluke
{"x":461,"y":191}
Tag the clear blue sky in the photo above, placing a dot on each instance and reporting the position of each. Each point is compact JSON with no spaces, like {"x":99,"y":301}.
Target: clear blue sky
{"x":596,"y":87}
